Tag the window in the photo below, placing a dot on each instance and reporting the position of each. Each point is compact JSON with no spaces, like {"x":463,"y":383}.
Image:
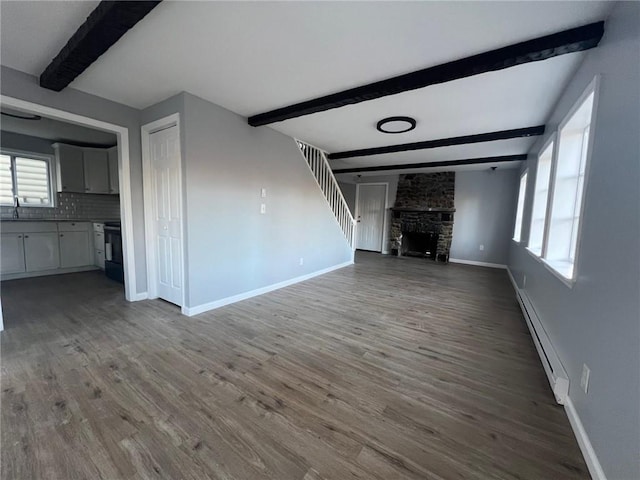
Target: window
{"x":540,"y":200}
{"x":27,"y":179}
{"x":517,"y":232}
{"x":568,"y":187}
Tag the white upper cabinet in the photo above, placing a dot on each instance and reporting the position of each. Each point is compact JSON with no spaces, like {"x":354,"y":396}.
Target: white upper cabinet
{"x":86,"y":170}
{"x":96,"y":170}
{"x":70,"y":168}
{"x":114,"y":180}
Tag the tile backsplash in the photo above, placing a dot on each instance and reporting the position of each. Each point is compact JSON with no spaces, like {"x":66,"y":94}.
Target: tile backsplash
{"x":71,"y":206}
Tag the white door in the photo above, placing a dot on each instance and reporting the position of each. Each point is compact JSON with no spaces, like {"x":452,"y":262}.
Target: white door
{"x":41,"y":251}
{"x":370,"y":216}
{"x":164,"y":153}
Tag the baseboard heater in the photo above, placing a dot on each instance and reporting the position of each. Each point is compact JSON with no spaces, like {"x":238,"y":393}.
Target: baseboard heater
{"x":556,"y":373}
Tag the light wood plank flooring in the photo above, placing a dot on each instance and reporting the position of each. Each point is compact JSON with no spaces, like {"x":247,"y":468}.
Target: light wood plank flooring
{"x":390,"y":369}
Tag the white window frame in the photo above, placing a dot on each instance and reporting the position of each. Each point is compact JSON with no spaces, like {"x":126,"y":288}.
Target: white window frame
{"x":545,"y":227}
{"x":50,"y":170}
{"x":522,"y":192}
{"x":593,"y":87}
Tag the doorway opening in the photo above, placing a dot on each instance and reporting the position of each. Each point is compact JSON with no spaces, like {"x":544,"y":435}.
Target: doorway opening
{"x":64,"y":178}
{"x":371,"y":208}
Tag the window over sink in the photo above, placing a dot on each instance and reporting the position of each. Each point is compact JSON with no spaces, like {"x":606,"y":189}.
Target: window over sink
{"x":26,"y":180}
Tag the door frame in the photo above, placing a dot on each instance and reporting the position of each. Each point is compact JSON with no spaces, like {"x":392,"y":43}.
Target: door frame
{"x":124,"y":174}
{"x":148,"y":187}
{"x":384,"y":212}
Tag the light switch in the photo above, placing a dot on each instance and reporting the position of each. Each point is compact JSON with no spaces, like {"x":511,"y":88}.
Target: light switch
{"x":263,"y":208}
{"x":263,"y":193}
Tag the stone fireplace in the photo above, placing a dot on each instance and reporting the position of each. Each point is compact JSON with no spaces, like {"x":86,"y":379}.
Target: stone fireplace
{"x":422,"y":221}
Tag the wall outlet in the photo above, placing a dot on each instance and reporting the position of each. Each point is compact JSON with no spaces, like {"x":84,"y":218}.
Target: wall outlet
{"x":301,"y":261}
{"x":481,"y":247}
{"x":584,"y":379}
{"x":263,"y":193}
{"x":263,"y":208}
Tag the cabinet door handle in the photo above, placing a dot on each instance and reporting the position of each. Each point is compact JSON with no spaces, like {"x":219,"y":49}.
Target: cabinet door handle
{"x":62,"y":235}
{"x":19,"y":236}
{"x":26,"y":236}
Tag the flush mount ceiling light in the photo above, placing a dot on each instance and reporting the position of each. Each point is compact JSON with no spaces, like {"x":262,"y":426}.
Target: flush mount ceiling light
{"x":22,"y":116}
{"x":396,"y":125}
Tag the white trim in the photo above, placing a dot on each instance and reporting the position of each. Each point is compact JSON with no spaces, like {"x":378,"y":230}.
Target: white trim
{"x":593,"y":87}
{"x":148,"y":191}
{"x":384,"y":215}
{"x":588,"y":452}
{"x":478,"y":264}
{"x":190,"y":311}
{"x":140,"y":296}
{"x":124,"y":173}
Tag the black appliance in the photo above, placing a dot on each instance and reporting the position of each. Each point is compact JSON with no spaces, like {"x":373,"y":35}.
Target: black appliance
{"x":114,"y":262}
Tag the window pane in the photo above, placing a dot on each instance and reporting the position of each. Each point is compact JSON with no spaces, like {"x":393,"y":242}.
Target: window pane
{"x":540,"y":200}
{"x":568,"y":186}
{"x":6,"y":184}
{"x":32,"y":181}
{"x":520,"y":210}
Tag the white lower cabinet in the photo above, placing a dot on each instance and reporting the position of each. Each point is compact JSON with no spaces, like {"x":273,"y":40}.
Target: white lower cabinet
{"x":41,"y":251}
{"x":45,"y":248}
{"x":12,"y":253}
{"x":76,"y":244}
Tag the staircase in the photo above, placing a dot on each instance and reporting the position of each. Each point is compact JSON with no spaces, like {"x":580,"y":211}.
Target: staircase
{"x":317,"y":161}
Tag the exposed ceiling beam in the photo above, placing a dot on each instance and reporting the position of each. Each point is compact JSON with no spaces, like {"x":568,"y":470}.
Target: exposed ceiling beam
{"x":442,"y":142}
{"x":446,"y":163}
{"x":103,"y":27}
{"x":541,"y":48}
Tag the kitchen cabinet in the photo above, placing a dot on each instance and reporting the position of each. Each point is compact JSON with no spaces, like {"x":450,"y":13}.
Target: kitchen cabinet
{"x":114,"y":179}
{"x":70,"y":168}
{"x":41,"y":251}
{"x":98,"y":245}
{"x":45,"y":248}
{"x":12,"y":253}
{"x":76,"y":244}
{"x":96,"y":170}
{"x":86,"y":170}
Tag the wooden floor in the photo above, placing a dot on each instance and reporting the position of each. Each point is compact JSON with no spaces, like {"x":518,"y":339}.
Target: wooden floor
{"x":395,"y":368}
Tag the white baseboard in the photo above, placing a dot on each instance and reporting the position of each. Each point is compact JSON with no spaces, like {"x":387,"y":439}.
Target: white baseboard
{"x":589,"y":454}
{"x":477,"y":264}
{"x":190,"y":311}
{"x":139,"y":296}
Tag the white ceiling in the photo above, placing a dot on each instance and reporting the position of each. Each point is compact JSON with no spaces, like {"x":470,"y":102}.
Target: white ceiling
{"x":250,"y":57}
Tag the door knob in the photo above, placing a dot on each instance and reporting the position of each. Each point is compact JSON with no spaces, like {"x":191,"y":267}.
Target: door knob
{"x":164,"y":228}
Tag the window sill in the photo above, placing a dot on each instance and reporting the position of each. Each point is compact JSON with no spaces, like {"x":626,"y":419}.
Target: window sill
{"x":556,"y":267}
{"x":537,"y":256}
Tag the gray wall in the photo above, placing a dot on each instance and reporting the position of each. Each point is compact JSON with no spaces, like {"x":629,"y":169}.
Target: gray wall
{"x":349,"y":194}
{"x":25,"y":143}
{"x":485,"y":207}
{"x":25,"y":87}
{"x":597,"y":322}
{"x":232,"y":248}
